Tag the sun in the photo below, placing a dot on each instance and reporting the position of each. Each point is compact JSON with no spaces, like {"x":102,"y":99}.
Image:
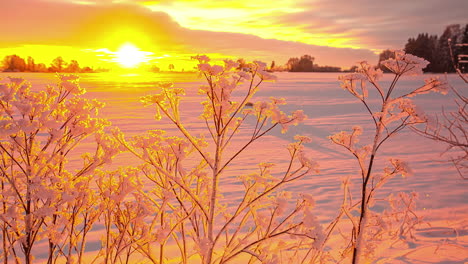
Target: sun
{"x":130,"y":56}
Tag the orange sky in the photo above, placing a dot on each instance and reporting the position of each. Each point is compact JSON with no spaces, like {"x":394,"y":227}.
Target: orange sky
{"x":336,"y":32}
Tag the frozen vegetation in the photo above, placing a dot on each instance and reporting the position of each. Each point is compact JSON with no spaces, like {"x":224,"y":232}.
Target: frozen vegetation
{"x":160,"y":196}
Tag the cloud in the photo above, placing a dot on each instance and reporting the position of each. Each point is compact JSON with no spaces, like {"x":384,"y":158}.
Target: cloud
{"x":368,"y":24}
{"x":62,"y":23}
{"x":255,"y":47}
{"x":374,"y":24}
{"x":266,"y":30}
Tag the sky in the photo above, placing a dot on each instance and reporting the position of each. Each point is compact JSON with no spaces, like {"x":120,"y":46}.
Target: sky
{"x":338,"y":32}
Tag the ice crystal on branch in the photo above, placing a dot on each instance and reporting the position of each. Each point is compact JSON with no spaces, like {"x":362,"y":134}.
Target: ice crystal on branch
{"x":405,"y":64}
{"x":392,"y":114}
{"x":187,"y":173}
{"x":41,"y":197}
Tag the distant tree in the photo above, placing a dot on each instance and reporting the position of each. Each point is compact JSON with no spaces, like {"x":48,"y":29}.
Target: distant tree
{"x":73,"y":66}
{"x":272,"y":66}
{"x":41,"y":67}
{"x":464,"y":39}
{"x":292,"y":63}
{"x":463,"y":50}
{"x":87,"y":69}
{"x":57,"y":65}
{"x":304,"y":64}
{"x":31,"y":66}
{"x":155,"y":68}
{"x":385,"y":55}
{"x":443,"y":62}
{"x":13,"y":63}
{"x":171,"y":67}
{"x":424,"y":46}
{"x":436,"y":49}
{"x":461,"y":37}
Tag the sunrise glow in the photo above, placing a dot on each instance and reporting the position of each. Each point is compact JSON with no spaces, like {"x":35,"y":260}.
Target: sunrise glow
{"x":335,"y":33}
{"x":238,"y":18}
{"x":215,"y":132}
{"x":130,"y":56}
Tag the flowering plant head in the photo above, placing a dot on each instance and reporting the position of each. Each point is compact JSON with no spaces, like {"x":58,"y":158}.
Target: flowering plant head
{"x":405,"y":64}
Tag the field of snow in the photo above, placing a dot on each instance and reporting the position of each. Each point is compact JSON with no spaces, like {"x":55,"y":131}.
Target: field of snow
{"x":443,"y":200}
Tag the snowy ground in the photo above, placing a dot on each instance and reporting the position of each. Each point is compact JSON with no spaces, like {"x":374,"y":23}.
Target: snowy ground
{"x":443,"y":200}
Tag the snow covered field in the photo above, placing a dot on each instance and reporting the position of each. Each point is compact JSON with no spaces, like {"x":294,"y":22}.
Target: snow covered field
{"x":443,"y":200}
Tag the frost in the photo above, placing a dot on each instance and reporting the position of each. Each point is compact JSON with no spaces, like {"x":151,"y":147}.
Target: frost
{"x":303,"y":139}
{"x":405,"y":64}
{"x":40,"y":196}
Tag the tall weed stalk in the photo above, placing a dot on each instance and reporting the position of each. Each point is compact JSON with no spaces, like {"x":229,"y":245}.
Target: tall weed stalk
{"x":393,"y":113}
{"x":186,"y":173}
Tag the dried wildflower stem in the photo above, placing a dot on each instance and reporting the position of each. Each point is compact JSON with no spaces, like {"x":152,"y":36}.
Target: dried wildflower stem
{"x":388,"y":122}
{"x":197,"y":193}
{"x":39,"y":129}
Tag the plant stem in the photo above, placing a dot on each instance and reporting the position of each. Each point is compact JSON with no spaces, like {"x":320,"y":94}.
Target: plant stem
{"x":214,"y":192}
{"x":362,"y":217}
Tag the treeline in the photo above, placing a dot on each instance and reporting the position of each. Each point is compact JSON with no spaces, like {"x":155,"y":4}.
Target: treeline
{"x":306,"y":64}
{"x":14,"y":63}
{"x":303,"y":64}
{"x":432,"y":48}
{"x":436,"y":49}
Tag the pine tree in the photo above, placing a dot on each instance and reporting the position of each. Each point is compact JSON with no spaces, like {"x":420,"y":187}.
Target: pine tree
{"x":444,"y":59}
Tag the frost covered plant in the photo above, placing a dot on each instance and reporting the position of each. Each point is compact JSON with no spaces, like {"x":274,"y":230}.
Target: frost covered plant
{"x":450,"y":127}
{"x":40,"y":196}
{"x":122,"y":217}
{"x":393,"y":113}
{"x":186,"y":175}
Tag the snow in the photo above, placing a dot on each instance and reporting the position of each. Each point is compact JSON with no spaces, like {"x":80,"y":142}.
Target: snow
{"x":443,"y":238}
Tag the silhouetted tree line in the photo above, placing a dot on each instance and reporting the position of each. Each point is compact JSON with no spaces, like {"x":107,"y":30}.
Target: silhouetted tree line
{"x":306,"y":64}
{"x":435,"y":49}
{"x":14,"y":63}
{"x":432,"y":48}
{"x":303,"y":64}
